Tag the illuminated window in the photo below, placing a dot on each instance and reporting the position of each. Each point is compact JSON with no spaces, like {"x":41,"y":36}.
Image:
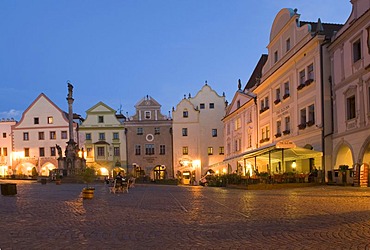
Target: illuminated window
{"x":25,"y":136}
{"x":26,"y":152}
{"x":185,"y":150}
{"x":221,"y":150}
{"x":50,"y":120}
{"x":210,"y":150}
{"x":5,"y":151}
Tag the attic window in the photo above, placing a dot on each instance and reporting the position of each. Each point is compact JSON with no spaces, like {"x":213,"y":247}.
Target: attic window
{"x":147,"y":114}
{"x":276,"y":56}
{"x":288,"y":44}
{"x":101,"y":119}
{"x":238,"y":104}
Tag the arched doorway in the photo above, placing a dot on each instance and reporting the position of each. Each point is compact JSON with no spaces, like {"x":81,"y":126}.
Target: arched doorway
{"x":159,"y":172}
{"x":344,"y":157}
{"x":46,"y":169}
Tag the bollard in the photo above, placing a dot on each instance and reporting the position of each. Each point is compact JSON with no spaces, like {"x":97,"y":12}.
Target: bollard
{"x":8,"y":189}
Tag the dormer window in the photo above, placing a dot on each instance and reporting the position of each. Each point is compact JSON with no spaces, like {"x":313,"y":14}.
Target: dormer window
{"x":100,"y":119}
{"x":185,"y":114}
{"x":147,"y":115}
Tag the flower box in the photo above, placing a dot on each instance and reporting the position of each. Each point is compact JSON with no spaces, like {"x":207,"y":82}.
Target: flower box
{"x":302,"y":126}
{"x":277,"y":101}
{"x":286,"y":132}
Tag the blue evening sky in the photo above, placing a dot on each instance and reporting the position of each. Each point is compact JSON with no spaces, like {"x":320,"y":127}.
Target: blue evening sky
{"x":118,"y":51}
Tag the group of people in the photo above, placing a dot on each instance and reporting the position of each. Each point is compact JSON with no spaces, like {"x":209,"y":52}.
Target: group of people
{"x":121,"y":183}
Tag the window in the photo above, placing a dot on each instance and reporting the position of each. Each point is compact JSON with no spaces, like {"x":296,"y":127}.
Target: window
{"x":147,"y":114}
{"x":351,"y":107}
{"x":228,"y":147}
{"x":101,"y":136}
{"x":185,"y":150}
{"x":228,"y":129}
{"x":116,"y":151}
{"x":276,"y":56}
{"x":267,"y":132}
{"x":26,"y":152}
{"x":26,"y":136}
{"x":184,"y":131}
{"x":278,"y":127}
{"x":115,"y":135}
{"x":53,"y":135}
{"x":100,"y":119}
{"x":50,"y":120}
{"x":210,"y":150}
{"x":185,"y":114}
{"x":202,"y":106}
{"x":286,"y":90}
{"x":137,"y":150}
{"x":63,"y":134}
{"x":310,"y":73}
{"x":303,"y":116}
{"x":52,"y":151}
{"x":101,"y":151}
{"x":139,"y":131}
{"x":277,"y":94}
{"x":302,"y":77}
{"x":162,"y":149}
{"x":4,"y":135}
{"x":35,"y":120}
{"x":211,"y":105}
{"x":311,"y":115}
{"x":357,"y":50}
{"x":214,"y":132}
{"x":221,"y":151}
{"x":263,"y":133}
{"x":88,"y":136}
{"x":238,"y":104}
{"x":157,"y":131}
{"x":249,"y":140}
{"x":42,"y":152}
{"x":149,"y":149}
{"x":41,"y":136}
{"x":287,"y":45}
{"x":5,"y":151}
{"x":287,"y":124}
{"x":238,"y":123}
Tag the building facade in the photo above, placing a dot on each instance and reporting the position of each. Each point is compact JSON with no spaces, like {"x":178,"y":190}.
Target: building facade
{"x":149,"y":141}
{"x":290,"y":120}
{"x":198,"y":135}
{"x":350,"y":71}
{"x":42,"y":127}
{"x":104,"y":140}
{"x":6,"y":146}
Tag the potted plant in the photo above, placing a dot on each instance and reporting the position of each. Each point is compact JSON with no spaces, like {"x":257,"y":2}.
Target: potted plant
{"x":88,"y":175}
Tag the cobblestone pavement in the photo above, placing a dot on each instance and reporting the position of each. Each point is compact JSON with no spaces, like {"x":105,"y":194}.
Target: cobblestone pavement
{"x":176,"y":217}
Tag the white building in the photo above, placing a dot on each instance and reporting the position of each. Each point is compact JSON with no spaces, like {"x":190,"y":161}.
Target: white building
{"x":198,"y":135}
{"x":104,"y":140}
{"x":6,"y":145}
{"x":350,"y":61}
{"x":43,"y":126}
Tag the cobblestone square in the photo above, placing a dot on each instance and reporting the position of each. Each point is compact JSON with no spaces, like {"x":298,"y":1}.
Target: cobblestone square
{"x":177,"y":217}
